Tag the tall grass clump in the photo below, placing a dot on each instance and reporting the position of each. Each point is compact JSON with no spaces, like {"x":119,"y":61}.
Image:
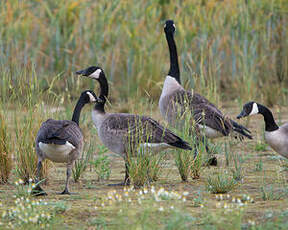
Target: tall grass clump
{"x":5,"y":151}
{"x":144,"y":166}
{"x":220,"y":182}
{"x":26,"y":128}
{"x":237,"y":171}
{"x":189,"y":163}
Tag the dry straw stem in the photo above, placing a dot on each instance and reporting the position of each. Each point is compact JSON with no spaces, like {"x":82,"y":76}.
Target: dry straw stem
{"x":5,"y":153}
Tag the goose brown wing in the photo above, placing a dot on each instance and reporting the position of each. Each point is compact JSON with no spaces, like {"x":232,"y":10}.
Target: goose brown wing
{"x":207,"y":115}
{"x":139,"y":129}
{"x":203,"y":111}
{"x":59,"y":131}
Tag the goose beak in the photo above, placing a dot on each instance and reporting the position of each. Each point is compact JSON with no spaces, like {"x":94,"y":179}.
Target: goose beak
{"x":242,"y":114}
{"x":82,"y":72}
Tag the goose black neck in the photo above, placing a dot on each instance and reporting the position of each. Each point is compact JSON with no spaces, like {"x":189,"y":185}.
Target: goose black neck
{"x":77,"y":110}
{"x":104,"y":89}
{"x":270,"y":124}
{"x":174,"y":66}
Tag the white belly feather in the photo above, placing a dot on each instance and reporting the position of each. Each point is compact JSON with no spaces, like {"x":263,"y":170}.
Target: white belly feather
{"x":57,"y":153}
{"x":209,"y":132}
{"x":153,"y":147}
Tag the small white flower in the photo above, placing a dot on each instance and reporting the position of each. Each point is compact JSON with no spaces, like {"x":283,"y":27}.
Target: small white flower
{"x":161,"y":209}
{"x":21,"y":181}
{"x":30,"y":180}
{"x":185,"y":193}
{"x":172,"y":207}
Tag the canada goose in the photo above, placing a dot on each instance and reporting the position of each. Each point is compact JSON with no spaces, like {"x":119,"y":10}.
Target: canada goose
{"x":175,"y":100}
{"x":275,"y":136}
{"x":122,"y":132}
{"x":61,"y":140}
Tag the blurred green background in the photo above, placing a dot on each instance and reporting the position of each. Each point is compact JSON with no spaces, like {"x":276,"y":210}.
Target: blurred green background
{"x":229,"y":50}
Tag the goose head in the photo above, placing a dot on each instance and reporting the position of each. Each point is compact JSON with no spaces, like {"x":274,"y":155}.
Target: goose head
{"x":88,"y":96}
{"x":250,"y":108}
{"x":169,"y":27}
{"x":93,"y":72}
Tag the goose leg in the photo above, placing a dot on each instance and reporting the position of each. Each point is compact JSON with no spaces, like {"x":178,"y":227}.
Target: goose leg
{"x":126,"y":181}
{"x":68,"y":174}
{"x":38,"y":191}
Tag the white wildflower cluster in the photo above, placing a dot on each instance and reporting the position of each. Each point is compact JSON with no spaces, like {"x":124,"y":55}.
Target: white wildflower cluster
{"x":22,"y":189}
{"x":232,"y":202}
{"x":163,"y":194}
{"x":130,"y":195}
{"x":27,"y":211}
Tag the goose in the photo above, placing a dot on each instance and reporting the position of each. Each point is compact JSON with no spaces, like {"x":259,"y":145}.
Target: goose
{"x":123,"y":132}
{"x":175,"y":101}
{"x":275,"y":136}
{"x":61,"y":141}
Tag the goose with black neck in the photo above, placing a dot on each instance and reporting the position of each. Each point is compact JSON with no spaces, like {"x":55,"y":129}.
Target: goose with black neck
{"x":61,"y":141}
{"x":122,"y":133}
{"x":175,"y":101}
{"x":275,"y":136}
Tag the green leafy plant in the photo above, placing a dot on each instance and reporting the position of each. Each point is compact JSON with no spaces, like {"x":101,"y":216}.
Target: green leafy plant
{"x":259,"y":165}
{"x":269,"y":192}
{"x":102,"y":164}
{"x":82,"y":163}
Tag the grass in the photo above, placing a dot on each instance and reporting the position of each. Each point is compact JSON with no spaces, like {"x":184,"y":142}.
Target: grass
{"x":5,"y":151}
{"x":26,"y":158}
{"x":222,"y":45}
{"x":220,"y":182}
{"x":82,"y":163}
{"x":101,"y":164}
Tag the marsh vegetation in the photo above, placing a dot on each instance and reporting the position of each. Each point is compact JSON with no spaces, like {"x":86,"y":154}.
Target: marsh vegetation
{"x":230,"y":52}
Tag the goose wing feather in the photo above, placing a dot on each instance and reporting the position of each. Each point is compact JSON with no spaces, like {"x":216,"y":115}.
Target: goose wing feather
{"x":59,"y":131}
{"x":204,"y":112}
{"x":139,"y":129}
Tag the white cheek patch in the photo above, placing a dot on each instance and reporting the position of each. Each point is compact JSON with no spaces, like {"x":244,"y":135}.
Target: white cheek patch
{"x":96,"y":74}
{"x":174,"y":26}
{"x":92,"y":98}
{"x":254,"y":110}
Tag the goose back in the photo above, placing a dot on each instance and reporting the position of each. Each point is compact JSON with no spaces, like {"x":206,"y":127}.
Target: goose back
{"x":121,"y":131}
{"x":278,"y":140}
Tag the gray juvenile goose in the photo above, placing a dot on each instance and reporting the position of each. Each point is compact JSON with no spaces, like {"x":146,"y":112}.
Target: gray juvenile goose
{"x":61,"y":140}
{"x":174,"y":99}
{"x":275,"y":136}
{"x":121,"y":131}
